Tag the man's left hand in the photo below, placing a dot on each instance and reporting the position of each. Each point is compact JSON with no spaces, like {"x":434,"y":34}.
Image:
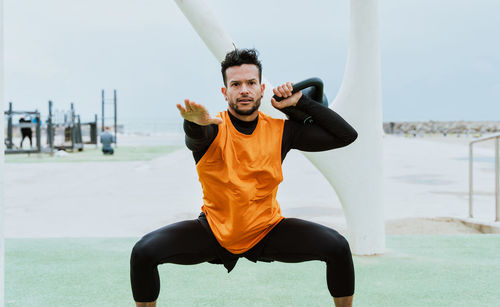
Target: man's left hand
{"x":285,"y":91}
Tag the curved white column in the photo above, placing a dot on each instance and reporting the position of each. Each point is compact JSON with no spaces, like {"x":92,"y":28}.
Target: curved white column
{"x":2,"y":241}
{"x":355,"y":172}
{"x":207,"y":26}
{"x":218,"y":41}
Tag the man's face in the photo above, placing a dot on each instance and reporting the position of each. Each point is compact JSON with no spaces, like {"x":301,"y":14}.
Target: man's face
{"x":243,"y":90}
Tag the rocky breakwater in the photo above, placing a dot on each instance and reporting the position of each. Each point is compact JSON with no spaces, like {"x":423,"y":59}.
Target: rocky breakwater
{"x":476,"y":128}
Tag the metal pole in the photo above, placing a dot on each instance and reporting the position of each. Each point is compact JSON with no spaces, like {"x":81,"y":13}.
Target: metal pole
{"x":470,"y":179}
{"x":497,"y":179}
{"x":116,"y":125}
{"x":94,"y":132}
{"x":9,"y":127}
{"x":72,"y":126}
{"x":38,"y":133}
{"x":102,"y":112}
{"x":50,"y":129}
{"x":79,"y":131}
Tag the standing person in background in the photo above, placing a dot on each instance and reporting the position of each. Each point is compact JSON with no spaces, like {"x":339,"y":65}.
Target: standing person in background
{"x":106,"y":139}
{"x":26,"y":132}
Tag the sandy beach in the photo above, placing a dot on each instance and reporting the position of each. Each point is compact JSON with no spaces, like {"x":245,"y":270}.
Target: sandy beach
{"x":425,"y":180}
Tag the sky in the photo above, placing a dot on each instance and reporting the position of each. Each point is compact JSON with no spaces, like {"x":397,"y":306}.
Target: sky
{"x":440,"y":59}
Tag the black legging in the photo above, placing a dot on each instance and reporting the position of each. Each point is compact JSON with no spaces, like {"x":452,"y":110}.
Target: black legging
{"x":26,"y":133}
{"x":189,"y":242}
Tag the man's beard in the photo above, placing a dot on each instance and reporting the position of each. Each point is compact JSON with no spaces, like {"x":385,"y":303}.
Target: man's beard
{"x":255,"y":107}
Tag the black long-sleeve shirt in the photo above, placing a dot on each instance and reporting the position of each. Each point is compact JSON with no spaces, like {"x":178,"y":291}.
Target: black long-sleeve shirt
{"x":328,"y":131}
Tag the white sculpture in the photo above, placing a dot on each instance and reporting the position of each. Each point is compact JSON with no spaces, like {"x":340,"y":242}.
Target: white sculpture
{"x":355,"y":172}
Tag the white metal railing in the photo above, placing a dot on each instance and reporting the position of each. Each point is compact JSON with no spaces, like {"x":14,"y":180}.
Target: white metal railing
{"x":497,"y":173}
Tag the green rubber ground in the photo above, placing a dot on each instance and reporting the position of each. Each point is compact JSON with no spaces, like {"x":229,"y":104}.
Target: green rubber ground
{"x":458,"y":270}
{"x":93,"y":154}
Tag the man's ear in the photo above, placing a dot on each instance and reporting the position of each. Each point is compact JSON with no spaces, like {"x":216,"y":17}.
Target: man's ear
{"x":262,"y":88}
{"x":224,"y":92}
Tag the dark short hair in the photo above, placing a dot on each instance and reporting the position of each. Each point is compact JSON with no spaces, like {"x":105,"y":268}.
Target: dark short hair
{"x":238,"y":57}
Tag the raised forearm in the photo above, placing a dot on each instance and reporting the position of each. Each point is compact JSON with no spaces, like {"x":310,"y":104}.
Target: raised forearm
{"x":199,"y":137}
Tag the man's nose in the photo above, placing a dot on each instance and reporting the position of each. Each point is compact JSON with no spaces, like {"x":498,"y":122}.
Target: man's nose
{"x":244,"y":88}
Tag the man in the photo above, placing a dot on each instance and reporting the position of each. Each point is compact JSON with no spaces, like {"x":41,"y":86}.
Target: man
{"x":107,"y":139}
{"x":26,"y":132}
{"x":238,"y":156}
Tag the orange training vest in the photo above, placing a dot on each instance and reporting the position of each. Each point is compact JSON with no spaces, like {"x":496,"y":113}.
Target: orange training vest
{"x":239,"y":175}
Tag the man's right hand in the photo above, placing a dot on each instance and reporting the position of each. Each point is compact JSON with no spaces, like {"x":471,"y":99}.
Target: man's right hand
{"x":197,"y":114}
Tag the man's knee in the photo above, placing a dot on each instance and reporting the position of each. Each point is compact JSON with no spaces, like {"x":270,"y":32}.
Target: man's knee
{"x":338,"y":247}
{"x":142,"y":253}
